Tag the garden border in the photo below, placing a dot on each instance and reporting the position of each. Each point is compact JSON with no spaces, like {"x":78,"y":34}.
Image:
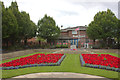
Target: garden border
{"x":97,"y":66}
{"x":34,"y":65}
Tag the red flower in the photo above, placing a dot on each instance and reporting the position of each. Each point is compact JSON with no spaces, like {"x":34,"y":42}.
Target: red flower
{"x":34,"y":59}
{"x":103,"y":59}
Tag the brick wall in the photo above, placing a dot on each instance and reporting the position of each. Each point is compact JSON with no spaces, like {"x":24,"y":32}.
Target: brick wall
{"x":83,"y":36}
{"x":81,"y":33}
{"x":64,"y":33}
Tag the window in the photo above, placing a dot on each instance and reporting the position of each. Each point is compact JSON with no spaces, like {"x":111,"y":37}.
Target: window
{"x":74,"y":32}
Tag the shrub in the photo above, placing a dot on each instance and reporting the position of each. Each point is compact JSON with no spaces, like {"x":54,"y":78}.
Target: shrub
{"x":61,"y":46}
{"x":96,"y":47}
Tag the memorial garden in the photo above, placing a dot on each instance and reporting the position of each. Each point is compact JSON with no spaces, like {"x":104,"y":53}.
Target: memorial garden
{"x":29,"y":48}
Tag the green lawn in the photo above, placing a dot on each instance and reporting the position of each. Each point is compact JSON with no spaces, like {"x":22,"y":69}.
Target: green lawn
{"x":71,"y":63}
{"x":113,"y":54}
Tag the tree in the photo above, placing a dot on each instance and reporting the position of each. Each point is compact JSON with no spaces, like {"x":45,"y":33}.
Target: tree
{"x":105,"y":23}
{"x":28,"y":27}
{"x":47,"y":29}
{"x":117,"y":34}
{"x":14,"y":8}
{"x":17,"y":14}
{"x":17,"y":25}
{"x":9,"y":26}
{"x":93,"y":31}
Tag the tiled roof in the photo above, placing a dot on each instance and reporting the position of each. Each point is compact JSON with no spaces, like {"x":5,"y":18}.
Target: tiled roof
{"x":73,"y":28}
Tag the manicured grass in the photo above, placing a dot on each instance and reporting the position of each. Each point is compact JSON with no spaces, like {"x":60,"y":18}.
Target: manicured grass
{"x":113,"y":54}
{"x":71,"y":63}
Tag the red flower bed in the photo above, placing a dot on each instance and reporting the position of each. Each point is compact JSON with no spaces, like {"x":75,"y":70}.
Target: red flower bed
{"x":103,"y":60}
{"x":34,"y":59}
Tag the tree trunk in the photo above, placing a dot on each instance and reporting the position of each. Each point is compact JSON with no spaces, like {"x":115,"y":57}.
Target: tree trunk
{"x":104,"y":43}
{"x":39,"y":42}
{"x":118,"y":44}
{"x":93,"y":41}
{"x":19,"y":42}
{"x":48,"y":41}
{"x":7,"y":44}
{"x":25,"y":41}
{"x":12,"y":42}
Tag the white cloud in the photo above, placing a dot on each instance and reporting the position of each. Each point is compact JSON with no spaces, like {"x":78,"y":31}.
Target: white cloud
{"x":65,"y":12}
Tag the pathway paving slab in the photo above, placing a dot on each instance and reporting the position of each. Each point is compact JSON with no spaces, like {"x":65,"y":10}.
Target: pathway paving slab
{"x":59,"y":75}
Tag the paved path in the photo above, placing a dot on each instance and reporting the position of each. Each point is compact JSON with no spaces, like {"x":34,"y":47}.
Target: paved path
{"x":24,"y":52}
{"x":67,"y":50}
{"x":59,"y":75}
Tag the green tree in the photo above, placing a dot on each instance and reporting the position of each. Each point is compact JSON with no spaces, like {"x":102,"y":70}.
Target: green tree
{"x":17,"y":14}
{"x":93,"y":31}
{"x":28,"y":27}
{"x":14,"y":8}
{"x":106,"y":24}
{"x":47,"y":29}
{"x":16,"y":25}
{"x":9,"y":26}
{"x":117,"y":34}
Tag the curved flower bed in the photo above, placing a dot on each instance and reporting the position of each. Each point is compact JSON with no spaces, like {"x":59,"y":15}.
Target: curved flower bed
{"x":34,"y":60}
{"x":103,"y":61}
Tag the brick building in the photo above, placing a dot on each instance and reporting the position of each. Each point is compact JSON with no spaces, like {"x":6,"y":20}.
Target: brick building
{"x":75,"y":37}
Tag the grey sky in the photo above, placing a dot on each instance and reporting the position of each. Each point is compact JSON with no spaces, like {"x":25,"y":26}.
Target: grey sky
{"x":69,"y":13}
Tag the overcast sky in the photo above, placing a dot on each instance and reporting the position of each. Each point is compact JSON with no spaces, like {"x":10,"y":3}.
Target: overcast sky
{"x":69,"y":13}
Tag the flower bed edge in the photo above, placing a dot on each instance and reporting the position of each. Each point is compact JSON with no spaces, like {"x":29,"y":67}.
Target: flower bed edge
{"x":34,"y":65}
{"x":97,"y":66}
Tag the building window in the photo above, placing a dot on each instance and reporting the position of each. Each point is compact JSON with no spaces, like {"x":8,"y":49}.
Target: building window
{"x":74,"y":32}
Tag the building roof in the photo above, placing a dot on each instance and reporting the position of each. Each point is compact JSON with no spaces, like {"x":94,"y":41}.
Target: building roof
{"x":73,"y":28}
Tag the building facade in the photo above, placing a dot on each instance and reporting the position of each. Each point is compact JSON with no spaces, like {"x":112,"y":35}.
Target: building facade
{"x":75,"y":36}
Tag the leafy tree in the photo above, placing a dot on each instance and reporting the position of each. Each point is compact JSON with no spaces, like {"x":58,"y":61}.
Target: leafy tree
{"x":14,"y":8}
{"x":17,"y":14}
{"x":33,"y":29}
{"x":47,"y":29}
{"x":105,"y":23}
{"x":28,"y":27}
{"x":117,"y":34}
{"x":16,"y":25}
{"x":93,"y":31}
{"x":9,"y":26}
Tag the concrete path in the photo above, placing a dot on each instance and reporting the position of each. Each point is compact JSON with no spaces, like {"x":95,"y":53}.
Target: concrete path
{"x":10,"y":55}
{"x":59,"y":75}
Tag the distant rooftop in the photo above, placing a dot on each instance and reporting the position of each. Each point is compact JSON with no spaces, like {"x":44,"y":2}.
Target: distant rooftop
{"x":73,"y":28}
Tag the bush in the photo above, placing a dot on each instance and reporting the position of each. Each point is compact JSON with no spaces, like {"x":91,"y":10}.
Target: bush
{"x":52,"y":47}
{"x":61,"y":46}
{"x":64,"y":46}
{"x":58,"y":46}
{"x":96,"y":47}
